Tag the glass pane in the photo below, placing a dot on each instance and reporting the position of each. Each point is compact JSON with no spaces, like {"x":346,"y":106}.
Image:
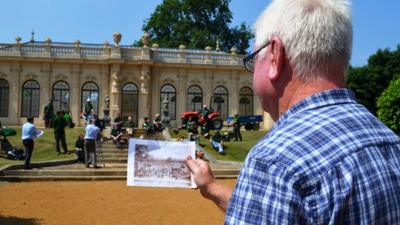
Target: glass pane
{"x":220,"y":101}
{"x":130,"y":88}
{"x":246,"y":101}
{"x":4,"y":98}
{"x":30,"y":99}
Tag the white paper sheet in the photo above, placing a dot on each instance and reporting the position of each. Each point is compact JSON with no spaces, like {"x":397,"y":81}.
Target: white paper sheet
{"x":159,"y":163}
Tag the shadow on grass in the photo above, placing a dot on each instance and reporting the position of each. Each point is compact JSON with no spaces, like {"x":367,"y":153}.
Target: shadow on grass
{"x":11,"y":220}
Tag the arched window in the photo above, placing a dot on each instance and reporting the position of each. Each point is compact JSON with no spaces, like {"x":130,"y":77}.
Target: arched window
{"x":221,"y":101}
{"x":90,"y":90}
{"x":30,"y":99}
{"x":4,"y":98}
{"x":246,"y":101}
{"x":194,"y":98}
{"x":130,"y":102}
{"x":60,"y":96}
{"x":168,"y":101}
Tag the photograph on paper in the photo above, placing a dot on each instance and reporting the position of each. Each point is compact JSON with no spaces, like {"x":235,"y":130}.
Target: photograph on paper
{"x":159,"y":163}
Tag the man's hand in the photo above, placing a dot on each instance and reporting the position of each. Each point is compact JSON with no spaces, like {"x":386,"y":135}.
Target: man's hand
{"x":206,"y":182}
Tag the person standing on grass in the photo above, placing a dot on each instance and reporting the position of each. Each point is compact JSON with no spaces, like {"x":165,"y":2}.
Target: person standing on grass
{"x":236,"y":128}
{"x":59,"y":125}
{"x":91,"y":133}
{"x":327,"y":159}
{"x":48,"y":114}
{"x":29,"y":134}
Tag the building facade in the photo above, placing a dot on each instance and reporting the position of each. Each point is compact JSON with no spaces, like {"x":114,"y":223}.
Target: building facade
{"x":139,"y":81}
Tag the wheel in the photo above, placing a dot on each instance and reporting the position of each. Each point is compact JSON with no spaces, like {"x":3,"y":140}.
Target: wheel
{"x":216,"y":123}
{"x":248,"y":126}
{"x":256,"y":126}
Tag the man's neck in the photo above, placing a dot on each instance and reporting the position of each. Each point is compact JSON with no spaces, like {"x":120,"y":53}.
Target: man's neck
{"x":298,"y":90}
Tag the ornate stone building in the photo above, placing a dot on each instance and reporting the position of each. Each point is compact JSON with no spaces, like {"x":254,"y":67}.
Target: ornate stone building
{"x":136,"y":79}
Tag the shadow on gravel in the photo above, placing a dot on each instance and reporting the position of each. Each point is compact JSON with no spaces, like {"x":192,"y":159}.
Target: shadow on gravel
{"x":10,"y":220}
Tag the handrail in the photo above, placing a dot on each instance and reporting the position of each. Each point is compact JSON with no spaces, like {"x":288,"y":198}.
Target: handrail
{"x":73,"y":50}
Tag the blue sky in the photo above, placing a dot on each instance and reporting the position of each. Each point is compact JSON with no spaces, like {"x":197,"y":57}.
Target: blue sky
{"x":375,"y":23}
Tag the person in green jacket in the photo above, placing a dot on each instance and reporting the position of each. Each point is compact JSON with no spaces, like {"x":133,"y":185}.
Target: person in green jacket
{"x":59,"y":125}
{"x":130,"y":126}
{"x":236,"y":128}
{"x":88,"y":109}
{"x":48,"y":114}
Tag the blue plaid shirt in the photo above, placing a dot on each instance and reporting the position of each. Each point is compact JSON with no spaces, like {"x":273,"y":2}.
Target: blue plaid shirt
{"x":327,"y":160}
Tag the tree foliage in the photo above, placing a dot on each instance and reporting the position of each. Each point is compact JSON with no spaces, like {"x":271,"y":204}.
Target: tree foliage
{"x":389,"y":106}
{"x":368,"y":82}
{"x":196,"y":24}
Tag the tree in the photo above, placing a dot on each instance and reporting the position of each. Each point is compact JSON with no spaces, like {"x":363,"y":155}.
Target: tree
{"x":196,"y":24}
{"x":389,"y":106}
{"x":368,"y":82}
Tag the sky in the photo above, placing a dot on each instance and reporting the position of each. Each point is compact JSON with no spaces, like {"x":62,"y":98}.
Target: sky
{"x":376,"y":24}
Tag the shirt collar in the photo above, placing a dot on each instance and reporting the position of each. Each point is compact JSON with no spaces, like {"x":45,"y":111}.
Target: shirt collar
{"x":321,"y":99}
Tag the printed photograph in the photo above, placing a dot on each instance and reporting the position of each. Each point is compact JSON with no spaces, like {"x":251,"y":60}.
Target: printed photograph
{"x":159,"y":163}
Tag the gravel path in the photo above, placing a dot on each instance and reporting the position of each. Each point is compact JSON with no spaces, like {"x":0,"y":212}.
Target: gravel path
{"x":107,"y":202}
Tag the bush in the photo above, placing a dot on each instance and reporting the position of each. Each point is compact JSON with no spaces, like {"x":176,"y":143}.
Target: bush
{"x":389,"y":106}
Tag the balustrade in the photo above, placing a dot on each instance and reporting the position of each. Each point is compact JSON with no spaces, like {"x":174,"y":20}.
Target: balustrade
{"x":87,"y":51}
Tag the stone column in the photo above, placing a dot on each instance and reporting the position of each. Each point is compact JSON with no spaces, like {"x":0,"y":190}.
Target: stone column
{"x":234,"y":93}
{"x":268,"y":121}
{"x":45,"y":90}
{"x":115,"y":89}
{"x":155,"y":94}
{"x":144,"y":94}
{"x":75,"y":101}
{"x":15,"y":94}
{"x":181,"y":95}
{"x":209,"y":87}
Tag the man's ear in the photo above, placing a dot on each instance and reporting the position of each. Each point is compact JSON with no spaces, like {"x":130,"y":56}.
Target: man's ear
{"x":277,"y":56}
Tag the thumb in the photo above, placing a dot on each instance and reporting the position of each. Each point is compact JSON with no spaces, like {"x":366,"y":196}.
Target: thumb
{"x":191,"y":163}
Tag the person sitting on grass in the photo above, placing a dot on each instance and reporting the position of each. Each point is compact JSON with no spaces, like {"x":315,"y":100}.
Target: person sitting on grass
{"x":116,"y":135}
{"x":217,"y":143}
{"x":192,"y":129}
{"x":130,"y":126}
{"x":80,"y":148}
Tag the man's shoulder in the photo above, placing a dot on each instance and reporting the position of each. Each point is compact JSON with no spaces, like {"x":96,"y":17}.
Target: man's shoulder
{"x":313,"y":140}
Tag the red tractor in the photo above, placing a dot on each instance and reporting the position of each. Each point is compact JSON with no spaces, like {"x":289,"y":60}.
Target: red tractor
{"x":214,"y":119}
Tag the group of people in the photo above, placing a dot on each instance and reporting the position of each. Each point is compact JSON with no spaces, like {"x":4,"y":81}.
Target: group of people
{"x":49,"y":116}
{"x":327,"y":159}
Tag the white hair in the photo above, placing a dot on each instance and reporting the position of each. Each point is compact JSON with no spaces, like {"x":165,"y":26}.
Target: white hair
{"x":316,"y":34}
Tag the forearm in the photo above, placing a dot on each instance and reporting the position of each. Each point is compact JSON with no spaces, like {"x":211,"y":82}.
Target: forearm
{"x":218,"y":193}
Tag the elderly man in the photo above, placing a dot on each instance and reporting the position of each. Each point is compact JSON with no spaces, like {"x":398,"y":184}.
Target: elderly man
{"x":91,"y":133}
{"x":327,"y":160}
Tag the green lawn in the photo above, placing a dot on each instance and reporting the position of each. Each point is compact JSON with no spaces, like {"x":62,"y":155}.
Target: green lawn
{"x":45,"y":148}
{"x":235,"y":151}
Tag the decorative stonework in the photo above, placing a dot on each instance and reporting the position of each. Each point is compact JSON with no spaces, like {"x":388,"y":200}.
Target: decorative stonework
{"x":117,"y":38}
{"x":220,"y":82}
{"x":3,"y":75}
{"x":144,"y":82}
{"x":60,"y":77}
{"x":90,"y":78}
{"x":145,"y":39}
{"x":77,"y":43}
{"x":31,"y":76}
{"x":47,"y":41}
{"x":115,"y":82}
{"x":168,"y":80}
{"x":246,"y":84}
{"x":18,"y":40}
{"x":195,"y":81}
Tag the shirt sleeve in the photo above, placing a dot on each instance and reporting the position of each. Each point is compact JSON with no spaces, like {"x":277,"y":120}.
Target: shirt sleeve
{"x":265,"y":194}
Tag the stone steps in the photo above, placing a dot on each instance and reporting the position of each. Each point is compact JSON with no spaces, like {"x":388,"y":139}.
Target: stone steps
{"x":112,"y":160}
{"x":85,"y":175}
